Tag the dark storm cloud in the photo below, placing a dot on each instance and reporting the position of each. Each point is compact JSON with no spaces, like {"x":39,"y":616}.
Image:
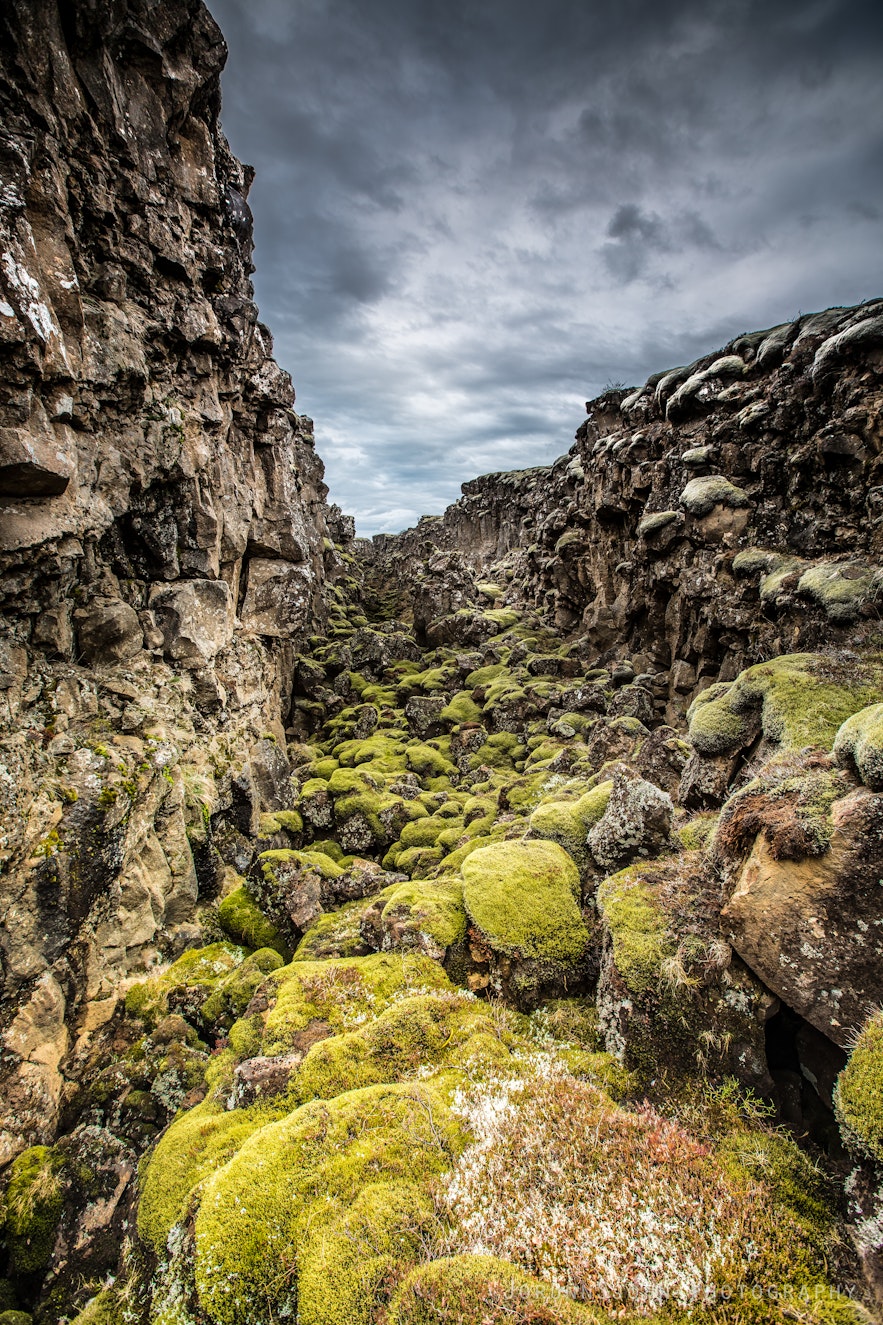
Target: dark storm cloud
{"x":473,"y":214}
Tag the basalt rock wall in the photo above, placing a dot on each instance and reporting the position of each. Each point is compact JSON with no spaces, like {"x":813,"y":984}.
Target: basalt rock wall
{"x":164,"y":537}
{"x":726,"y":511}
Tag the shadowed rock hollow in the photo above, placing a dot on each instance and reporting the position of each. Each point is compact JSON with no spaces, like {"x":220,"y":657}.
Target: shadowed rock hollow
{"x":481,"y":923}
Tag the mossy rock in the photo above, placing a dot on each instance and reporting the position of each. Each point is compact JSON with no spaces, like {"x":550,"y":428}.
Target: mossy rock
{"x":465,"y":1289}
{"x":523,"y":897}
{"x":343,"y":993}
{"x":201,"y":969}
{"x":797,"y":700}
{"x":336,"y":933}
{"x":567,"y":821}
{"x":428,"y":1031}
{"x":194,"y":1147}
{"x":858,"y":745}
{"x":426,"y":914}
{"x":840,"y":588}
{"x":242,"y":919}
{"x":321,"y":1207}
{"x":638,"y":928}
{"x":34,"y":1205}
{"x":858,"y":1096}
{"x":701,"y":495}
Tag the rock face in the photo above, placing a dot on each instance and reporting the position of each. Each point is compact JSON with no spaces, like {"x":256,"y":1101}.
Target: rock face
{"x":163,"y":525}
{"x":722,"y":512}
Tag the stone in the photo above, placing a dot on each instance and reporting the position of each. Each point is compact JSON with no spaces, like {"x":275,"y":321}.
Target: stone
{"x":196,"y":619}
{"x":635,"y":825}
{"x":108,"y":631}
{"x":33,"y":465}
{"x":278,"y":597}
{"x":811,"y":928}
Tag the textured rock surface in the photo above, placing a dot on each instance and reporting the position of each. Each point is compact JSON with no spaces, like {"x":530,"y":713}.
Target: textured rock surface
{"x":162,"y":521}
{"x":702,"y":521}
{"x":351,"y":903}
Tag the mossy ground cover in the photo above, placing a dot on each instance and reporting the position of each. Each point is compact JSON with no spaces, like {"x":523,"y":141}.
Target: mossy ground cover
{"x":432,"y":1156}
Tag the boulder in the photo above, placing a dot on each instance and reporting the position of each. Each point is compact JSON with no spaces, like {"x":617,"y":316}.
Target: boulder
{"x":195,"y":618}
{"x":636,"y":823}
{"x":278,"y":597}
{"x":812,"y":929}
{"x":108,"y":631}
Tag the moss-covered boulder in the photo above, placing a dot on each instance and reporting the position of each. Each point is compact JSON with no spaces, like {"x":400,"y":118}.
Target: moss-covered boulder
{"x":794,"y":701}
{"x":858,"y":1096}
{"x":671,"y":997}
{"x":858,"y":745}
{"x":242,"y":919}
{"x":567,"y":817}
{"x":523,"y":898}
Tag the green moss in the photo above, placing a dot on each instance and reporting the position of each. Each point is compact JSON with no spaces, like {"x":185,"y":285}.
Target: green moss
{"x":232,"y":994}
{"x":462,"y":708}
{"x":641,"y":943}
{"x":482,"y":676}
{"x":695,"y":835}
{"x":195,"y":1146}
{"x":34,"y":1206}
{"x":427,"y":913}
{"x":335,"y":933}
{"x":281,"y":820}
{"x":320,"y":861}
{"x":799,"y":700}
{"x":858,"y":745}
{"x":840,"y":588}
{"x":427,"y":761}
{"x":200,"y":969}
{"x":466,"y":1289}
{"x":322,"y":1205}
{"x":567,"y":821}
{"x":858,"y":1097}
{"x":242,"y":919}
{"x":105,"y":1308}
{"x":413,"y":1036}
{"x":523,"y":897}
{"x":701,"y":495}
{"x":343,"y":993}
{"x":323,"y":768}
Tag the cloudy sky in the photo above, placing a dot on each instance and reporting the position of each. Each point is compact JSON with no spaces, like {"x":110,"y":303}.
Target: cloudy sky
{"x":472,"y":215}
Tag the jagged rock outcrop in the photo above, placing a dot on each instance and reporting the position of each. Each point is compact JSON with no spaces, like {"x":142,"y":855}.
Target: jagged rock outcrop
{"x":723,"y":512}
{"x":164,"y":538}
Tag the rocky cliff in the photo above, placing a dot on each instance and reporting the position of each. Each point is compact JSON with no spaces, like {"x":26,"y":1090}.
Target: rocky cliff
{"x":481,"y":923}
{"x":724,"y":512}
{"x":163,"y":527}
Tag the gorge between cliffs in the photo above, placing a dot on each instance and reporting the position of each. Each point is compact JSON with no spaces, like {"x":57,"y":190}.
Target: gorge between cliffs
{"x":482,"y":923}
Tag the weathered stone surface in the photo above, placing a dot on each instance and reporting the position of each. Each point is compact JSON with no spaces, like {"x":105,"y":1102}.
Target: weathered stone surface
{"x":108,"y":631}
{"x":636,"y":823}
{"x":811,"y":929}
{"x":195,"y":618}
{"x":277,"y":598}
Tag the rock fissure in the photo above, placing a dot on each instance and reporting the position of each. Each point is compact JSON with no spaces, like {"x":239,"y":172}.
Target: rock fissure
{"x":480,"y":922}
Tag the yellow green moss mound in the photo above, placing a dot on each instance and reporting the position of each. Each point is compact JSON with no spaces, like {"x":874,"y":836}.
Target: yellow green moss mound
{"x":195,"y":1146}
{"x":34,"y":1203}
{"x":567,"y":819}
{"x":322,"y":1207}
{"x":466,"y":1289}
{"x":798,"y":700}
{"x":859,"y":1093}
{"x":523,"y":898}
{"x":417,"y":1035}
{"x":242,"y":919}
